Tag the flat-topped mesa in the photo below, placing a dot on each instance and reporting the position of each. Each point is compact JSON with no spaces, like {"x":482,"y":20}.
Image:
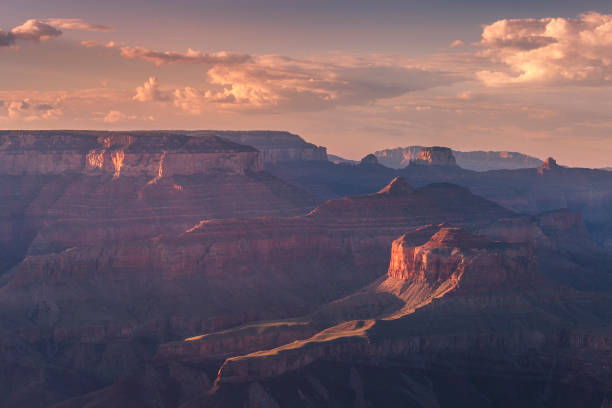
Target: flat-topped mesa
{"x":401,"y":157}
{"x":468,"y":261}
{"x":435,"y":156}
{"x":131,"y":154}
{"x":275,"y":146}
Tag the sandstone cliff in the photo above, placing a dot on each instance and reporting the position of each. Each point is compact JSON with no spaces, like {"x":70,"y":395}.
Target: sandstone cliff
{"x":451,"y":263}
{"x":274,"y":146}
{"x":466,"y":298}
{"x":131,"y":154}
{"x":71,"y":188}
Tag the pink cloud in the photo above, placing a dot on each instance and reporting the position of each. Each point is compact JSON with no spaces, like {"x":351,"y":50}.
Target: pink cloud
{"x":35,"y":30}
{"x":43,"y":30}
{"x":27,"y":109}
{"x":550,"y":50}
{"x":150,"y":91}
{"x":281,"y":83}
{"x":114,"y":116}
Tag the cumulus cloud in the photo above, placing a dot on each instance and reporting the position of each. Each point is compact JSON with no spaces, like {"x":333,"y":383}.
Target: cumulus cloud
{"x":27,"y":109}
{"x":191,"y":56}
{"x":35,"y":30}
{"x":457,"y":43}
{"x":280,"y":83}
{"x":42,"y":30}
{"x":114,"y":116}
{"x":554,"y":51}
{"x":150,"y":91}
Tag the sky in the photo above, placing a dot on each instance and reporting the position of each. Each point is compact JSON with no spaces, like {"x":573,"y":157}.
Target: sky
{"x":355,"y":76}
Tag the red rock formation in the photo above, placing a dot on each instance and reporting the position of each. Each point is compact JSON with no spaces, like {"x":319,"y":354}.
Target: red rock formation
{"x":344,"y":243}
{"x":65,"y":189}
{"x":451,"y":263}
{"x":129,"y":154}
{"x":457,"y":256}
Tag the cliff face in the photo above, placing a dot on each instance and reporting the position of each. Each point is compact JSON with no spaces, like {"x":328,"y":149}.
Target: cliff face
{"x":129,"y":154}
{"x":450,"y":299}
{"x":344,"y":242}
{"x":469,"y":302}
{"x":274,"y":146}
{"x":62,"y":189}
{"x":454,"y":256}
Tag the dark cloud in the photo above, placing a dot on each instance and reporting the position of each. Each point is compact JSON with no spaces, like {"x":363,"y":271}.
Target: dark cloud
{"x":41,"y":30}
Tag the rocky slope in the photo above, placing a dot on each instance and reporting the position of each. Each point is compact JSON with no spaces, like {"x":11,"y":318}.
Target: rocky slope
{"x":451,"y":261}
{"x":475,"y":160}
{"x":473,"y":307}
{"x":122,"y":299}
{"x":508,"y":312}
{"x":350,"y":236}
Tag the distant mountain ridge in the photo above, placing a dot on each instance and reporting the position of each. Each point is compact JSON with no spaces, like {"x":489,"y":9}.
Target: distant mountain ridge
{"x":400,"y":157}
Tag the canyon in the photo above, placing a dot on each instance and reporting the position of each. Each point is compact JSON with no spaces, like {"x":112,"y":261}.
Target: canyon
{"x":531,"y":190}
{"x":63,"y":189}
{"x":217,"y":268}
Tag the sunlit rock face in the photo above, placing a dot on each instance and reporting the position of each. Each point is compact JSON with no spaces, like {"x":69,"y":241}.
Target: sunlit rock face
{"x":450,"y":263}
{"x":469,"y":302}
{"x":455,"y":255}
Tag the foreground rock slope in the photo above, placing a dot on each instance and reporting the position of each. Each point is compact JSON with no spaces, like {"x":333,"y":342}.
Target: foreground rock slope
{"x":497,"y":311}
